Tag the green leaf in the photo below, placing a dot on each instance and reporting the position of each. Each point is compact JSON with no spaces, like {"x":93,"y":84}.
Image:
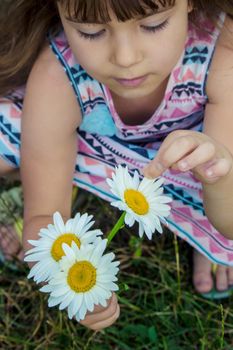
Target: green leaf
{"x":153,"y":336}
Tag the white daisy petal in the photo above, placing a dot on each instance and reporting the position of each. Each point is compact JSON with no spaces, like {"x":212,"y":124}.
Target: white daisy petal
{"x":110,"y":285}
{"x":68,"y":251}
{"x":82,"y":232}
{"x":37,"y":270}
{"x":59,"y":223}
{"x":103,"y":302}
{"x":70,"y":312}
{"x":105,"y":293}
{"x":82,"y":221}
{"x":106,"y":259}
{"x":54,"y":301}
{"x":141,"y":230}
{"x":77,"y":318}
{"x":75,"y":221}
{"x":35,"y":256}
{"x":119,"y":205}
{"x":91,"y":234}
{"x":82,"y":311}
{"x":136,"y":180}
{"x":66,"y":301}
{"x":35,"y":242}
{"x":76,"y":303}
{"x":69,"y":225}
{"x":129,"y":220}
{"x":105,"y":278}
{"x":46,"y":289}
{"x":98,"y":252}
{"x":89,"y":301}
{"x":95,"y":297}
{"x":60,"y":291}
{"x":49,"y":232}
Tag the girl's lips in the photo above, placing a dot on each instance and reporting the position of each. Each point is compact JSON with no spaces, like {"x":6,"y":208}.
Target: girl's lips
{"x":132,"y":82}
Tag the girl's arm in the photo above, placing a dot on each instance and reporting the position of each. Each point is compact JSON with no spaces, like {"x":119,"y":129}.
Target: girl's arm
{"x":49,"y":144}
{"x":209,"y":154}
{"x":49,"y":148}
{"x":218,"y":124}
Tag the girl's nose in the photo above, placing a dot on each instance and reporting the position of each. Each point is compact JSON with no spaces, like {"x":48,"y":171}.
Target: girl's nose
{"x":126,"y":52}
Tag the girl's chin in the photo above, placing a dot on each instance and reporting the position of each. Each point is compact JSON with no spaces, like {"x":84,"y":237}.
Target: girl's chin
{"x":131,"y":93}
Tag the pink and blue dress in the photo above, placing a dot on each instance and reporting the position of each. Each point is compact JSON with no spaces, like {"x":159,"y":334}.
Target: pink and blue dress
{"x":103,"y":140}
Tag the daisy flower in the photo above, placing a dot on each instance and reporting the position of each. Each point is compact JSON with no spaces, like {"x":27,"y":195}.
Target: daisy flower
{"x":142,"y":200}
{"x":86,"y":279}
{"x":47,"y":250}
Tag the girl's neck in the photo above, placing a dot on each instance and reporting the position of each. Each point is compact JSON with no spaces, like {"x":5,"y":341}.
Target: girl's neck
{"x":138,"y":111}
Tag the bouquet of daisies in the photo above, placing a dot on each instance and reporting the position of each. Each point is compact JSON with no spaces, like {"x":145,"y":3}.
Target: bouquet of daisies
{"x":70,"y":258}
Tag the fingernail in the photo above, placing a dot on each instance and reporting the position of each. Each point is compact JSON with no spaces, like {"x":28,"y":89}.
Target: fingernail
{"x":209,"y":172}
{"x":183,"y":165}
{"x":153,"y":170}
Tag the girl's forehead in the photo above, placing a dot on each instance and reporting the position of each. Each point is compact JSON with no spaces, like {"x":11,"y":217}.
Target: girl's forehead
{"x":101,"y":10}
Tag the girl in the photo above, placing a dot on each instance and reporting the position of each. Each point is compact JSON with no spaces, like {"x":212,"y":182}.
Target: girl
{"x":147,"y":83}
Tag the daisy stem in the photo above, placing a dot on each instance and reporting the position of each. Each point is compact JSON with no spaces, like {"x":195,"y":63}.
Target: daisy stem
{"x":119,"y":225}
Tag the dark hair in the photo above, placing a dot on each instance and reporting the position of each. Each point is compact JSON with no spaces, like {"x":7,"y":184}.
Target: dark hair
{"x":20,"y":45}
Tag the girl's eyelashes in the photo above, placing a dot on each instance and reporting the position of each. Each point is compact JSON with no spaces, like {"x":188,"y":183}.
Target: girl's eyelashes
{"x":150,"y":29}
{"x":156,"y":28}
{"x":91,"y":36}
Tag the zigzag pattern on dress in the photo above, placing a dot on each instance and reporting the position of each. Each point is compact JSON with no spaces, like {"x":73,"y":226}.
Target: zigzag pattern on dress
{"x":9,"y":131}
{"x":187,"y":89}
{"x":196,"y":55}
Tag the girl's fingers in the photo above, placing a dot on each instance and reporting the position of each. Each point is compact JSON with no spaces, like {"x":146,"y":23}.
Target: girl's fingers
{"x":183,"y":151}
{"x":107,"y":322}
{"x":202,"y":154}
{"x":100,"y":313}
{"x":220,"y":168}
{"x":168,"y":156}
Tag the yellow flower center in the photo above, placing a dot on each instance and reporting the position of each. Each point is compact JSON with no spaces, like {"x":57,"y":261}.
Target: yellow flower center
{"x":136,"y":201}
{"x":57,"y":251}
{"x":82,"y":276}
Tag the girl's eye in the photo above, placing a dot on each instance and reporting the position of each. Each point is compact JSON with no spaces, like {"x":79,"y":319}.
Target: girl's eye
{"x":91,"y":36}
{"x":153,"y":29}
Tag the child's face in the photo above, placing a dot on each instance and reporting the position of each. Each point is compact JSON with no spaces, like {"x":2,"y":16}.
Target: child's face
{"x":131,"y":58}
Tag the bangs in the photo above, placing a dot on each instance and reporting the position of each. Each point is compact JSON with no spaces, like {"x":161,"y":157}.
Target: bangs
{"x":94,"y":11}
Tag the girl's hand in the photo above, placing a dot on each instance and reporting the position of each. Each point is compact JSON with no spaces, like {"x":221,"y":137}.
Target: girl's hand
{"x":185,"y":150}
{"x":102,"y":317}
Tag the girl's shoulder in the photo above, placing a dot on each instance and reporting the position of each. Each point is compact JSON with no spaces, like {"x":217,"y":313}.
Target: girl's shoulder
{"x":47,"y":83}
{"x":47,"y":65}
{"x":220,"y":77}
{"x":224,"y":44}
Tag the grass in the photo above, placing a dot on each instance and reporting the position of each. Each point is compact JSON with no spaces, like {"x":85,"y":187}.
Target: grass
{"x":159,"y":308}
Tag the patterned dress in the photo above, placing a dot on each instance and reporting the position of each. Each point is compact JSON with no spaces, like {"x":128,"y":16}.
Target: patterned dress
{"x":105,"y":141}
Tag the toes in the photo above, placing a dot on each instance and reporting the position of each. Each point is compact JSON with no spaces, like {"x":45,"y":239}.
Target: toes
{"x":221,"y":278}
{"x":9,"y":243}
{"x":202,"y":282}
{"x":230,"y":276}
{"x":202,"y":277}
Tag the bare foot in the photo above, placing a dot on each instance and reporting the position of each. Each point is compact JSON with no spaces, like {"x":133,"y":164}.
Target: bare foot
{"x":10,"y":245}
{"x":203,"y":278}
